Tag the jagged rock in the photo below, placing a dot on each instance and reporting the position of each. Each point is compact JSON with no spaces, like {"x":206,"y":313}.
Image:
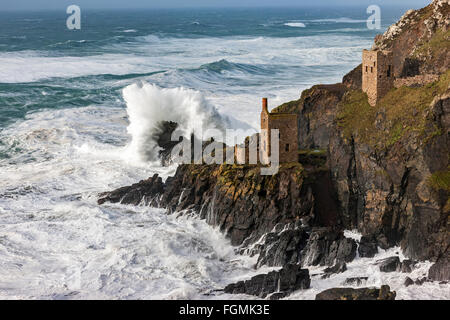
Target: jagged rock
{"x":282,"y":248}
{"x":376,"y":183}
{"x":162,"y":136}
{"x":440,"y":271}
{"x":353,"y":79}
{"x":326,"y":247}
{"x":407,"y":265}
{"x":278,"y":296}
{"x":144,"y":191}
{"x":283,"y":282}
{"x":356,"y":281}
{"x":339,"y":267}
{"x":368,"y":247}
{"x":420,"y":281}
{"x":408,"y":282}
{"x":390,"y":264}
{"x":383,"y":293}
{"x":238,"y":199}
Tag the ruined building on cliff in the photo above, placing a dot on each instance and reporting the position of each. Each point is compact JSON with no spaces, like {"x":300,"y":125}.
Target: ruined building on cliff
{"x":286,"y":124}
{"x":283,"y":124}
{"x":377,"y":74}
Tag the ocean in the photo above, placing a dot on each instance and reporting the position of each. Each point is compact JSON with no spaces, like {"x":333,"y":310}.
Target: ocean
{"x":77,"y":108}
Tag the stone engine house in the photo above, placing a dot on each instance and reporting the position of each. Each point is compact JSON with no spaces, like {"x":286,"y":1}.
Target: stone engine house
{"x":377,"y":74}
{"x":286,"y":123}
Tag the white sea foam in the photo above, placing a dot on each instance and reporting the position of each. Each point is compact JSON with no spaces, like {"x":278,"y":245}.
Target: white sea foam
{"x":368,"y":267}
{"x":295,"y":24}
{"x":148,"y":105}
{"x":57,"y":243}
{"x":151,"y":54}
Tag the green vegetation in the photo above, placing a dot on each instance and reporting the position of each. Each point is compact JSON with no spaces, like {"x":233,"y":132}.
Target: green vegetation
{"x":439,"y":43}
{"x":440,"y":180}
{"x":315,"y":157}
{"x":403,"y":112}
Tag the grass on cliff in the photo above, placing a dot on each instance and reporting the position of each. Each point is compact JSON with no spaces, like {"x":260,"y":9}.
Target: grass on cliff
{"x":402,"y":112}
{"x":440,"y":180}
{"x":440,"y":42}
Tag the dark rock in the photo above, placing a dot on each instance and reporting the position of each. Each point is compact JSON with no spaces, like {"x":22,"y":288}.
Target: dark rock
{"x":282,"y":282}
{"x":339,"y":267}
{"x":377,"y":181}
{"x":407,"y":265}
{"x":282,"y":248}
{"x":368,"y":247}
{"x":356,"y":281}
{"x":146,"y":192}
{"x":353,"y":79}
{"x":408,"y":282}
{"x":383,"y":242}
{"x":278,"y":296}
{"x":383,"y":293}
{"x":237,"y":199}
{"x":326,"y":247}
{"x":162,"y":136}
{"x":420,"y":281}
{"x":411,"y":68}
{"x":390,"y":264}
{"x":440,"y":271}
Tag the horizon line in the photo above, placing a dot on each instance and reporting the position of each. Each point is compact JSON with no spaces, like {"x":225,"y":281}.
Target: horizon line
{"x":233,"y":7}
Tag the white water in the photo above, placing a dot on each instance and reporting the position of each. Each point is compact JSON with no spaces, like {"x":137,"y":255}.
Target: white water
{"x":295,"y":24}
{"x":148,"y":105}
{"x":57,"y":243}
{"x":367,"y":267}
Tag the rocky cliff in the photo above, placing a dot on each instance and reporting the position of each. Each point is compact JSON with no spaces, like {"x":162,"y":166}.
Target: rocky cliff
{"x":389,"y":164}
{"x":382,"y":170}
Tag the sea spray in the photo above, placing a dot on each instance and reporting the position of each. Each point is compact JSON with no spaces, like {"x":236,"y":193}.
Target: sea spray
{"x":148,"y":105}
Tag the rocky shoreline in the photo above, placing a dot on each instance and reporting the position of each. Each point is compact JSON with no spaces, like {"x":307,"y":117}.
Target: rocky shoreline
{"x":382,"y":171}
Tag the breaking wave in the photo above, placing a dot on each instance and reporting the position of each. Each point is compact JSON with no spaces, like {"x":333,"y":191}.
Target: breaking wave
{"x":148,"y":105}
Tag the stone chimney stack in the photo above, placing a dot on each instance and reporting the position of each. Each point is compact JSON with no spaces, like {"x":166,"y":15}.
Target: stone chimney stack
{"x":264,"y":105}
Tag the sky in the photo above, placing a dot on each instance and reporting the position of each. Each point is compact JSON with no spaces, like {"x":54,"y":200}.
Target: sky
{"x":7,"y":5}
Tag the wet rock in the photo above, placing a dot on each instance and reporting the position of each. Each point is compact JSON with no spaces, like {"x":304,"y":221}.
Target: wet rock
{"x":383,"y":293}
{"x":283,"y":282}
{"x":390,"y":264}
{"x":278,"y":296}
{"x":326,"y":247}
{"x":162,"y":136}
{"x":144,"y":191}
{"x":339,"y":267}
{"x":440,"y":271}
{"x":355,"y":281}
{"x":407,"y":266}
{"x":408,"y":282}
{"x":368,"y":247}
{"x":280,"y":249}
{"x":420,"y":281}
